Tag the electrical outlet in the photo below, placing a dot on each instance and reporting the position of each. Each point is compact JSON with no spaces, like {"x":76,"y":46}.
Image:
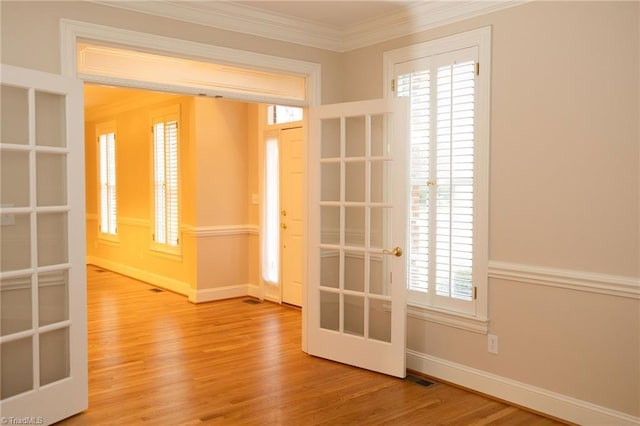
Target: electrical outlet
{"x":492,"y":343}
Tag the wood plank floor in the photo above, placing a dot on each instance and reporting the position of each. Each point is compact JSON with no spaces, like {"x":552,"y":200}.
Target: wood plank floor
{"x":155,"y":358}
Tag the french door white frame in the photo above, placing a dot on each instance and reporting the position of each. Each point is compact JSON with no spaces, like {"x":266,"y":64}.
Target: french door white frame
{"x":74,"y":31}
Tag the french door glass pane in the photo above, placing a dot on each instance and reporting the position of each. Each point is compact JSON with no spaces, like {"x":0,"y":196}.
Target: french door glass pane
{"x":54,"y":356}
{"x":355,"y":133}
{"x":330,"y":225}
{"x":330,"y":268}
{"x":50,"y":119}
{"x":16,"y":367}
{"x":380,"y":217}
{"x":379,"y":192}
{"x":355,"y":181}
{"x":380,"y":320}
{"x":354,"y":271}
{"x":51,"y":185}
{"x":330,"y":182}
{"x":15,"y":178}
{"x":330,"y":144}
{"x":379,"y":275}
{"x":16,"y":242}
{"x":52,"y":239}
{"x":354,"y":226}
{"x":53,"y":297}
{"x":15,"y":115}
{"x":15,"y":302}
{"x":354,"y":314}
{"x":329,"y":310}
{"x":378,"y":148}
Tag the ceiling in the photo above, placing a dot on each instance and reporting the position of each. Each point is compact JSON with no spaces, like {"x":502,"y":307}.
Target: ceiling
{"x":338,"y":26}
{"x":337,"y":14}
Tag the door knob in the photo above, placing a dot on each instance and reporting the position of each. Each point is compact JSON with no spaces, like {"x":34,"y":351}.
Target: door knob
{"x":284,"y":213}
{"x":284,"y":225}
{"x":397,"y":251}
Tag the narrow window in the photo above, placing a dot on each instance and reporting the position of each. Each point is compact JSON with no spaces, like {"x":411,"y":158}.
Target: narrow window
{"x":107,"y":179}
{"x":271,"y":214}
{"x":280,"y":114}
{"x":165,"y":179}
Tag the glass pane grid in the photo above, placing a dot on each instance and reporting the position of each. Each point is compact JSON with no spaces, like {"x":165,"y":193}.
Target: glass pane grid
{"x":355,"y":301}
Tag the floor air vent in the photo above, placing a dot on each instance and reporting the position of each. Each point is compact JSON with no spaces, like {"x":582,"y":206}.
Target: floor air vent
{"x":419,"y":380}
{"x":155,"y":290}
{"x":251,"y":301}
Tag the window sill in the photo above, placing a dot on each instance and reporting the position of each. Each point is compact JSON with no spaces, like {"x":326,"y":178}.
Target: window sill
{"x":108,"y":239}
{"x":463,"y":322}
{"x":168,"y":252}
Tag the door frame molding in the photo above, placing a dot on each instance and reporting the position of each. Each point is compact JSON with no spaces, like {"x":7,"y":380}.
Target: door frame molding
{"x":71,"y":32}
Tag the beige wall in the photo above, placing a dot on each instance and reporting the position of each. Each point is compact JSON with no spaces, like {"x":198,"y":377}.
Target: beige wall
{"x":564,"y":193}
{"x":222,"y":191}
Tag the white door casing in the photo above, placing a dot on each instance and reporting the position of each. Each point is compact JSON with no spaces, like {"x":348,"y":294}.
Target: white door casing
{"x":43,"y":276}
{"x":357,"y":214}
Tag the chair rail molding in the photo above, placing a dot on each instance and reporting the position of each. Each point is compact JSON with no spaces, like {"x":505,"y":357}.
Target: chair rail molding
{"x":613,"y":285}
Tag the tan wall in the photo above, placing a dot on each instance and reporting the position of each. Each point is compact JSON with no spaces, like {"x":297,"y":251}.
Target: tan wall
{"x":222,"y":176}
{"x":564,"y":193}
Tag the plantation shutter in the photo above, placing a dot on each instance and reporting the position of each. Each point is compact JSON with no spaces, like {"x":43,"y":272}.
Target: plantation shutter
{"x":165,"y":170}
{"x":107,"y":160}
{"x":442,"y":101}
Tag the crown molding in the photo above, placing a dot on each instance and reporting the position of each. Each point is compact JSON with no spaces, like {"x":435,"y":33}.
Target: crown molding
{"x":417,"y":16}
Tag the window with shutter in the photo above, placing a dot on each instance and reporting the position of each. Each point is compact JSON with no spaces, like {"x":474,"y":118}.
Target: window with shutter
{"x":107,"y":180}
{"x":165,"y":178}
{"x":448,"y":206}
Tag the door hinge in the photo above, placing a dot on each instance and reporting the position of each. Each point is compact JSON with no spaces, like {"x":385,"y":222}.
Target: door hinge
{"x":475,"y":293}
{"x":393,"y":85}
{"x":477,"y":68}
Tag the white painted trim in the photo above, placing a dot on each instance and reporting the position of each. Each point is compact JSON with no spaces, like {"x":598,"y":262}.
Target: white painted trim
{"x":73,"y":31}
{"x":451,"y":319}
{"x":170,"y":284}
{"x":538,"y":399}
{"x":416,"y":17}
{"x":612,"y":285}
{"x":221,"y":230}
{"x":220,"y":293}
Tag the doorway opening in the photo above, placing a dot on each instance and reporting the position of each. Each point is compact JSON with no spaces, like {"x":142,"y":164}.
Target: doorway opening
{"x":221,"y":201}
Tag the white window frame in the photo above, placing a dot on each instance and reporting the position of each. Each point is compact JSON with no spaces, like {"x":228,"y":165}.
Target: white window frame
{"x":102,"y":129}
{"x":165,"y":115}
{"x":419,"y":306}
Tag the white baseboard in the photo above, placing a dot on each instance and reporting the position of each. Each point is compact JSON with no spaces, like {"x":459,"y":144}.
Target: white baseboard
{"x":170,"y":284}
{"x":220,"y":293}
{"x":541,"y":400}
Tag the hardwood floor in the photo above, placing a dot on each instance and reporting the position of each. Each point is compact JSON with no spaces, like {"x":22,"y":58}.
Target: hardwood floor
{"x":155,"y":358}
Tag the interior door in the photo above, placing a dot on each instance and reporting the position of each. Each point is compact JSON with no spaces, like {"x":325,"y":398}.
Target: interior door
{"x":357,"y":210}
{"x":42,"y":275}
{"x":291,"y":203}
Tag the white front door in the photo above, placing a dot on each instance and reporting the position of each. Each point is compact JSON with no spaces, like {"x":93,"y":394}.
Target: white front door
{"x":43,"y":333}
{"x":291,"y":214}
{"x":357,"y":215}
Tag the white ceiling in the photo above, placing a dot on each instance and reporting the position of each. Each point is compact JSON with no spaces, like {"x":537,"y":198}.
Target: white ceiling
{"x":337,"y":14}
{"x":333,"y":25}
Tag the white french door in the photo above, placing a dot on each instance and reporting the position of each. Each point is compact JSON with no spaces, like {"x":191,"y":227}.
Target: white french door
{"x":357,"y":215}
{"x":43,"y":333}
